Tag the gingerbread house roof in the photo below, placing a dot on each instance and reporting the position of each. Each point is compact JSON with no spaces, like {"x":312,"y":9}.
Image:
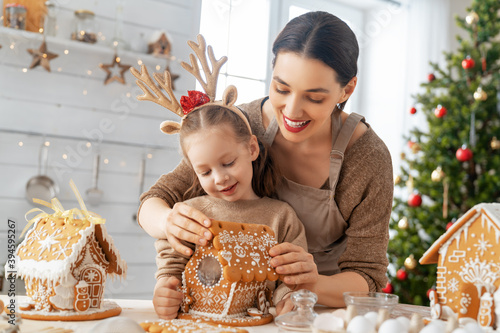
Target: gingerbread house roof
{"x":490,"y":218}
{"x":51,"y":248}
{"x":243,"y":250}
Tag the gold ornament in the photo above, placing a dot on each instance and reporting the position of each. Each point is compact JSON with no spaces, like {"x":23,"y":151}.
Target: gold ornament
{"x":495,"y":143}
{"x":403,"y":156}
{"x":437,"y":175}
{"x":111,"y":77}
{"x":480,"y":94}
{"x":397,"y":179}
{"x":415,"y":148}
{"x":403,"y":223}
{"x":472,"y":18}
{"x":409,"y":184}
{"x":410,"y":262}
{"x":42,"y":56}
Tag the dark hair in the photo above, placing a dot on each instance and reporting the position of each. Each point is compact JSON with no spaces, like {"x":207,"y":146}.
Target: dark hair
{"x":266,"y":175}
{"x":322,"y":36}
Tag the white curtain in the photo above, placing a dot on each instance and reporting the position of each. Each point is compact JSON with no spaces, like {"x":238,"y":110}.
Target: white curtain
{"x":429,"y":34}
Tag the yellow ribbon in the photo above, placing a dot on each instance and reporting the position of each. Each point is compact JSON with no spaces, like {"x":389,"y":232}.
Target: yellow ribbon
{"x":59,"y":212}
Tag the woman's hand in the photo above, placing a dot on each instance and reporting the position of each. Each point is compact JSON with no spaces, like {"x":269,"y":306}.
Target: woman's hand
{"x":166,"y":297}
{"x":184,"y":222}
{"x":296,"y":265}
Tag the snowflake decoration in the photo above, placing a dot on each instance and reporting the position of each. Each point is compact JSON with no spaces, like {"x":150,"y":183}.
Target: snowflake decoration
{"x":92,"y":275}
{"x":62,"y":251}
{"x":453,"y":285}
{"x":46,"y":244}
{"x":482,"y":245}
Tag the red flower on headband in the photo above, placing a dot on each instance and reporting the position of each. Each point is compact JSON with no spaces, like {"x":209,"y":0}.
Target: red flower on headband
{"x":193,"y":100}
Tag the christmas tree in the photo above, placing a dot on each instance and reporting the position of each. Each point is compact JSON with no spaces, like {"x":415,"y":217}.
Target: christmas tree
{"x":454,"y":163}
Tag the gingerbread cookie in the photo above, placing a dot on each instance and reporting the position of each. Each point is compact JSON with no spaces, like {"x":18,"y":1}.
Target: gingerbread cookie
{"x":187,"y":326}
{"x":224,"y":279}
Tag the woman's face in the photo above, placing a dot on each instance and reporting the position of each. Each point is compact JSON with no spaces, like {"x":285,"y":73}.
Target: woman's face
{"x":303,"y":94}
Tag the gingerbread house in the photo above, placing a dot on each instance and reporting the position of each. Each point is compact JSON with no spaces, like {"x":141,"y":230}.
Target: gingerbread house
{"x":468,"y":267}
{"x":64,"y":263}
{"x":224,"y":282}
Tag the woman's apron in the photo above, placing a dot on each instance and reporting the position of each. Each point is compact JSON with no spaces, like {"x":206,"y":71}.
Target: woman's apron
{"x":316,"y":208}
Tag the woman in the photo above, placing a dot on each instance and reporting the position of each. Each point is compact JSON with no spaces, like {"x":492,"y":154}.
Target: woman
{"x":338,"y":173}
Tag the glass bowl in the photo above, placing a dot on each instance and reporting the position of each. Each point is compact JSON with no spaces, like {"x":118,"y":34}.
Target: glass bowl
{"x":370,"y":301}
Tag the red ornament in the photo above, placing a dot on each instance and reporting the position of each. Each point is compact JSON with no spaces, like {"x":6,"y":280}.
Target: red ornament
{"x":413,"y":110}
{"x":440,"y":111}
{"x":429,"y":291}
{"x":464,"y":154}
{"x":193,"y":100}
{"x":468,"y":63}
{"x":389,"y":289}
{"x":431,"y":77}
{"x":414,"y":200}
{"x":410,"y":144}
{"x":401,"y":274}
{"x":448,"y":225}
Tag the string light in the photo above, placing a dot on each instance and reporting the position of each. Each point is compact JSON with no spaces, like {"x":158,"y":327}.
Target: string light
{"x":24,"y":70}
{"x":46,"y":143}
{"x":88,"y":145}
{"x":85,"y":92}
{"x":20,"y":143}
{"x":65,"y":157}
{"x":66,"y":51}
{"x":150,"y":156}
{"x":106,"y":161}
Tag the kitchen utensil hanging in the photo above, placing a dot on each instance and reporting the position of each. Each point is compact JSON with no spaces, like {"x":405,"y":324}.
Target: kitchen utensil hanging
{"x":41,"y":186}
{"x":94,"y":194}
{"x":142,"y":173}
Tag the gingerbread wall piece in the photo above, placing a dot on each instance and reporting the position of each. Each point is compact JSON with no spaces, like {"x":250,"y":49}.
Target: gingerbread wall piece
{"x":64,"y":260}
{"x":468,"y":267}
{"x":228,"y":276}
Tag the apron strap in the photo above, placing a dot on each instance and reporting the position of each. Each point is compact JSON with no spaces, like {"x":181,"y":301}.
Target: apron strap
{"x":271,"y":132}
{"x":339,"y":146}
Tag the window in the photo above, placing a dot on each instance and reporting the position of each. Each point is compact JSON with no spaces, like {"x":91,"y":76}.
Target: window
{"x":240,"y":30}
{"x":244,"y":31}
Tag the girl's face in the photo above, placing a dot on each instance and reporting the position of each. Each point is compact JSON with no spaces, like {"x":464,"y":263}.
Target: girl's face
{"x":222,"y":164}
{"x":304,"y":93}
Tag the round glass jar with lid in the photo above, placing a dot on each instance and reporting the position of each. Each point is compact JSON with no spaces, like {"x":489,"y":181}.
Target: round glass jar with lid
{"x":15,"y":16}
{"x":85,"y":29}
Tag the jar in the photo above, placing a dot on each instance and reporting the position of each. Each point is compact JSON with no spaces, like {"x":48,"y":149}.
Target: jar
{"x":50,"y":24}
{"x":85,"y":28}
{"x":15,"y":16}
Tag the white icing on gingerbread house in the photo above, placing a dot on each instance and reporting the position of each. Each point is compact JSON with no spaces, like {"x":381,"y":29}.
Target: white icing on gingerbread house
{"x":468,"y":266}
{"x":227,"y":277}
{"x":58,"y":254}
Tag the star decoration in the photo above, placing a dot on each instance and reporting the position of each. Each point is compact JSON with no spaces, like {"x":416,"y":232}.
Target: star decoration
{"x":161,"y":47}
{"x":42,"y":56}
{"x":115,"y":77}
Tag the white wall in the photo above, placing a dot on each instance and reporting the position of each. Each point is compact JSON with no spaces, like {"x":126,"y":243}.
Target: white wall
{"x":36,"y":103}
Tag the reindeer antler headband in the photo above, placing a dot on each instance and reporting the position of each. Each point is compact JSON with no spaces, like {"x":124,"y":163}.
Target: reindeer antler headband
{"x":187,"y":104}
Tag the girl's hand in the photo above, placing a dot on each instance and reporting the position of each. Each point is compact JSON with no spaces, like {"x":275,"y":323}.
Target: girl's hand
{"x":166,"y":297}
{"x":185,"y":223}
{"x":284,"y":306}
{"x":296,"y":265}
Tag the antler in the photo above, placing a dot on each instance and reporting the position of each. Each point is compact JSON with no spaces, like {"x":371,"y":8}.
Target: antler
{"x":144,"y":81}
{"x":210,"y":85}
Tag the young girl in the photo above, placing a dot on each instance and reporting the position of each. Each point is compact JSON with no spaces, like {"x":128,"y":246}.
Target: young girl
{"x":234,"y":179}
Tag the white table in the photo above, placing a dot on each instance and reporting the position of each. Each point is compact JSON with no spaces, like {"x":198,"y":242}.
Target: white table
{"x":142,"y":310}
